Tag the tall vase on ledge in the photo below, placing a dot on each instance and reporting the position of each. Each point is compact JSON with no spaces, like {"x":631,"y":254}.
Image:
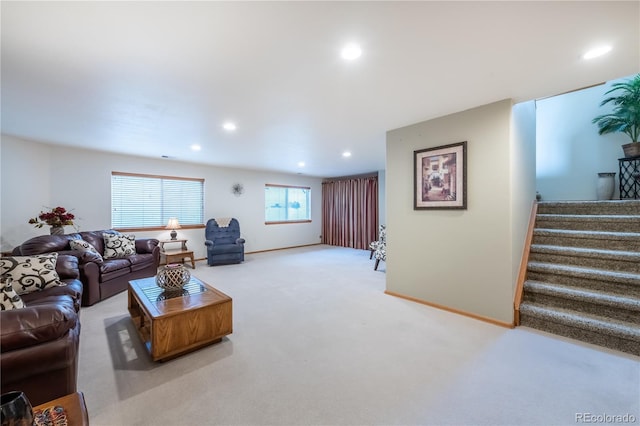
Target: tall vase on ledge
{"x":56,"y":230}
{"x":606,"y":186}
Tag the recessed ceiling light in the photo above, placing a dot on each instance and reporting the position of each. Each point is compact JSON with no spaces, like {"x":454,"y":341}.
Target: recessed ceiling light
{"x":196,"y":147}
{"x":346,"y":154}
{"x":301,"y":164}
{"x":229,"y":126}
{"x":351,"y":51}
{"x":598,"y":51}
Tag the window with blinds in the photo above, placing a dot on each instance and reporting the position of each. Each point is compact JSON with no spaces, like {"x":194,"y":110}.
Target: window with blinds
{"x":147,"y":201}
{"x":284,"y":204}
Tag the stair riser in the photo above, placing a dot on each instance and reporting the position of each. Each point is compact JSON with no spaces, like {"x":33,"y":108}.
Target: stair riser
{"x":586,"y":284}
{"x":607,"y":341}
{"x":596,"y":243}
{"x":589,"y":262}
{"x":581,"y":306}
{"x":589,"y":225}
{"x":606,"y":207}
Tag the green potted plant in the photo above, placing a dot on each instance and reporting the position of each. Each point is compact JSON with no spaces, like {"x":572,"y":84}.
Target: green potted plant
{"x":625,"y":117}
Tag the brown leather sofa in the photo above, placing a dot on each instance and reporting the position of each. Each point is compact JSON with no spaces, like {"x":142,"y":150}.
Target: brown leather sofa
{"x":39,"y":343}
{"x":101,"y":278}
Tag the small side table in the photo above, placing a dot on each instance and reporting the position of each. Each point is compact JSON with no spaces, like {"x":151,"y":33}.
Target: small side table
{"x":629,"y":177}
{"x":74,"y":408}
{"x":174,"y":255}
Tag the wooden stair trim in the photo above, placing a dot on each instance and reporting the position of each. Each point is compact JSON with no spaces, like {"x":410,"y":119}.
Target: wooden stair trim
{"x":522,"y":274}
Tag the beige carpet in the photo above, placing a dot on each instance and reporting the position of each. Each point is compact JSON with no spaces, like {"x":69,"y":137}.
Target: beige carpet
{"x":317,"y":342}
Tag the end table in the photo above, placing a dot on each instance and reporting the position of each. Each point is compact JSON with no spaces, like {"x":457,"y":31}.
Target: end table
{"x":179,"y":254}
{"x":629,"y":177}
{"x":74,"y":407}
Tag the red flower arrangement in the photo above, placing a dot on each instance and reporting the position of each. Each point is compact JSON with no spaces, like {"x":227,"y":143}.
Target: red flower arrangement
{"x":58,"y":216}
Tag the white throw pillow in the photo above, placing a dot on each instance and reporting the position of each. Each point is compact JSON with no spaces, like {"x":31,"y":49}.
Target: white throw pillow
{"x":31,"y":273}
{"x":119,"y":245}
{"x":83,"y":246}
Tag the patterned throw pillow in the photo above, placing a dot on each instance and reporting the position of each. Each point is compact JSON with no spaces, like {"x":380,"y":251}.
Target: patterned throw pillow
{"x":9,"y":299}
{"x":119,"y":245}
{"x":31,"y":273}
{"x":83,"y":246}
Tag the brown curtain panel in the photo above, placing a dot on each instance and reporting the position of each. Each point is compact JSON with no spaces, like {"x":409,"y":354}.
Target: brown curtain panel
{"x":350,"y":212}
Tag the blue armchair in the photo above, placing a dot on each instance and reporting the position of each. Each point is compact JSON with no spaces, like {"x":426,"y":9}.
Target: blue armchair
{"x":224,"y":244}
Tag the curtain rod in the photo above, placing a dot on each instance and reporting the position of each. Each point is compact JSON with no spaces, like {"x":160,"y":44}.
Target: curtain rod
{"x":362,"y":176}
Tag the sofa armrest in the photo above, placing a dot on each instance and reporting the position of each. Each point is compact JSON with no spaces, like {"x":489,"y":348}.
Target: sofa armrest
{"x":90,"y":277}
{"x":208,"y":243}
{"x":43,"y":372}
{"x":240,"y":241}
{"x":146,"y":245}
{"x":67,"y":266}
{"x":33,"y":325}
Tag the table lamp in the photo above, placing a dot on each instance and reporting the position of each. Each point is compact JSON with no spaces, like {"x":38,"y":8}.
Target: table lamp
{"x":173,"y":224}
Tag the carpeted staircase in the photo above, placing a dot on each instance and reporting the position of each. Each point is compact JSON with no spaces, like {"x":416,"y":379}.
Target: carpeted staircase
{"x":583,"y":275}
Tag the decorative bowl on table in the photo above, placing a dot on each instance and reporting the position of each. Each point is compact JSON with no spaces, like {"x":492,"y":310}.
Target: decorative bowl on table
{"x":173,"y":277}
{"x":15,"y":409}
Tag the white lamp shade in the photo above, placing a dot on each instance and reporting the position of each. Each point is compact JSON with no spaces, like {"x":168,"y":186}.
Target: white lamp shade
{"x":173,"y":223}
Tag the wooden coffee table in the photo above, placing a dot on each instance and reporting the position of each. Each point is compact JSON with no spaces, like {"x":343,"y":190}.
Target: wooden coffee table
{"x":171,"y":324}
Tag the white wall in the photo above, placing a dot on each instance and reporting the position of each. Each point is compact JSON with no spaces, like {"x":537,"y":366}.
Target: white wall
{"x":570,"y":153}
{"x":35,"y":175}
{"x":523,"y":183}
{"x":382,"y":197}
{"x":461,"y":259}
{"x":25,"y":185}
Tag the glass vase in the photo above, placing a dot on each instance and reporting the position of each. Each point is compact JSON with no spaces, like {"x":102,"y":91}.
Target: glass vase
{"x":56,"y":230}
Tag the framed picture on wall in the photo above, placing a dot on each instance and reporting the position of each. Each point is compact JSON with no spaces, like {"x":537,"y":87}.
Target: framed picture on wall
{"x":440,"y":177}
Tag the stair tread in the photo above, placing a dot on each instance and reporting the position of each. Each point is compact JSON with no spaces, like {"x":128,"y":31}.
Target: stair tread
{"x":587,"y":202}
{"x":625,"y":255}
{"x":606,"y":235}
{"x":617,"y":207}
{"x":591,"y":217}
{"x":592,"y":214}
{"x":624,"y":301}
{"x":585,"y":272}
{"x":568,"y":317}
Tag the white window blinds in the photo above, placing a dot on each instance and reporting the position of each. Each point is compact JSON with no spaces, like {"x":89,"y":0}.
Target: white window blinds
{"x":146,"y":201}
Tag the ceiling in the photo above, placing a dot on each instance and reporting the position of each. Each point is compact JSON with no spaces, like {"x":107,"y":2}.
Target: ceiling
{"x":153,"y":78}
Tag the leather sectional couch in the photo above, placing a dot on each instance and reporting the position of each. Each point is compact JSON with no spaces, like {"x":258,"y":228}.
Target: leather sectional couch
{"x":102,"y":277}
{"x":39,"y":342}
